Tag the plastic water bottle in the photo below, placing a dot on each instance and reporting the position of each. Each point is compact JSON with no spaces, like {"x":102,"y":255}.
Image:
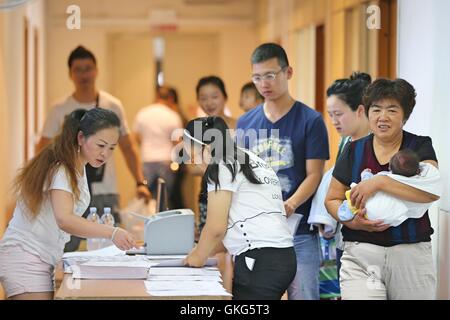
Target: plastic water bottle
{"x":107,"y":219}
{"x":93,"y":243}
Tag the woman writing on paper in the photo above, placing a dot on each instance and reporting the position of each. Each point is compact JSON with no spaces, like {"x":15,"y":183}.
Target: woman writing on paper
{"x":52,"y":195}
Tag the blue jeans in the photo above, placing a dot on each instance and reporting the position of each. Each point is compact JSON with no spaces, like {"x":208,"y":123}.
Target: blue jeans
{"x":306,"y":282}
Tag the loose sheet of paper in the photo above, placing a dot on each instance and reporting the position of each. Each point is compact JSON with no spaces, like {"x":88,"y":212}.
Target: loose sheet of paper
{"x":185,"y":288}
{"x":293,"y":222}
{"x":184,"y":281}
{"x":184,"y":271}
{"x":184,"y":278}
{"x":132,"y":263}
{"x":104,"y":252}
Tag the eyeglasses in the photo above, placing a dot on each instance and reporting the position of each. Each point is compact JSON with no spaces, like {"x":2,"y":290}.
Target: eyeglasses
{"x":269,"y":76}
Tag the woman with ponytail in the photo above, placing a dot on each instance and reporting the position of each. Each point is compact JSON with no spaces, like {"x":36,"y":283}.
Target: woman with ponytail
{"x":52,"y":194}
{"x":348,"y":115}
{"x":245,"y":212}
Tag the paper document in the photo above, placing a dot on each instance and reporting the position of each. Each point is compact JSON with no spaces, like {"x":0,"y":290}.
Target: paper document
{"x":165,"y":257}
{"x":129,"y":264}
{"x":183,"y":285}
{"x":104,"y":252}
{"x":211,"y":262}
{"x":185,"y":288}
{"x":185,"y":293}
{"x":250,"y":262}
{"x":121,"y":267}
{"x":140,"y":250}
{"x":107,"y":272}
{"x":184,"y":278}
{"x":293,"y":222}
{"x":68,"y":262}
{"x":169,"y":271}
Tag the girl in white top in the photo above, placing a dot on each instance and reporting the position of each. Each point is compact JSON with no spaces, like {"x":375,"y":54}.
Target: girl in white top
{"x":52,"y":195}
{"x":245,"y":213}
{"x":347,"y":113}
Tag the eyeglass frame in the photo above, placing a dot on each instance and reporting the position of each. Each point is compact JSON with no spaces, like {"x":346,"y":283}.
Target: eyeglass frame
{"x":264,"y":77}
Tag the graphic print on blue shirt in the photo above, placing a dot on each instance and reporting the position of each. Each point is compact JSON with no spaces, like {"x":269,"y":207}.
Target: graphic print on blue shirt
{"x":279,"y":154}
{"x":286,"y":144}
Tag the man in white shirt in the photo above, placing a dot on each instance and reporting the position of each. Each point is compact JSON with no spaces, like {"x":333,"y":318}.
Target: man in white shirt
{"x":103,"y":185}
{"x":157,"y":138}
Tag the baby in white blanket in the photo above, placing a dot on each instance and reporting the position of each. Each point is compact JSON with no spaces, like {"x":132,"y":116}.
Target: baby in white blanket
{"x":405,"y":168}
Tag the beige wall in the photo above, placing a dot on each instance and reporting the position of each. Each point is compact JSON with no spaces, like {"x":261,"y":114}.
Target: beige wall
{"x":236,"y":47}
{"x":202,"y":52}
{"x":3,"y":131}
{"x":132,"y":75}
{"x":61,"y":42}
{"x":12,"y":79}
{"x":304,"y":62}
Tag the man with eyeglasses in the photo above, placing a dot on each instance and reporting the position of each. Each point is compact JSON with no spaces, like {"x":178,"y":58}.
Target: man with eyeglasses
{"x":293,"y":139}
{"x":103,"y":181}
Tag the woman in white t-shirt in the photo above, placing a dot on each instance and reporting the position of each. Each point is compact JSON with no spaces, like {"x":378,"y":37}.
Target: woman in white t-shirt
{"x":52,"y":195}
{"x":245,"y":213}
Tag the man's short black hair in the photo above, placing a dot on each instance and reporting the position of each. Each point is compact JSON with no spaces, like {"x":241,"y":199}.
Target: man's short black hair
{"x":268,"y":51}
{"x":80,"y":52}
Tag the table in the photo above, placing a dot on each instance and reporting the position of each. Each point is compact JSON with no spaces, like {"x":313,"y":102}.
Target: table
{"x":75,"y":289}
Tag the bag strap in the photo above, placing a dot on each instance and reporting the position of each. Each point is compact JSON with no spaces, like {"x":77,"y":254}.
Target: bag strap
{"x":357,"y":160}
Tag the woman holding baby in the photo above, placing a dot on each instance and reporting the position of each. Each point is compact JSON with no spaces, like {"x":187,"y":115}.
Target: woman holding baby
{"x":381,"y":261}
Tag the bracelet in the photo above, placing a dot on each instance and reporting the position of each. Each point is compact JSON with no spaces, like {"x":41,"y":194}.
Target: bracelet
{"x":114,"y":233}
{"x":142,"y":183}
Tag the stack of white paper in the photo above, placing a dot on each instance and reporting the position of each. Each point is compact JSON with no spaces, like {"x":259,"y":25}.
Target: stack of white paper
{"x":185,"y":281}
{"x":104,"y":252}
{"x":184,"y":271}
{"x":211,"y":262}
{"x":106,"y":263}
{"x":137,"y":269}
{"x":110,"y":253}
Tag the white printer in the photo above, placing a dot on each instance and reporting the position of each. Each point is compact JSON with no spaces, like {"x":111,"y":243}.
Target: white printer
{"x":169,"y":232}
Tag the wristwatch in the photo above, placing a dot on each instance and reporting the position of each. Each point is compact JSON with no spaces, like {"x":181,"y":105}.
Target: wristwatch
{"x":142,"y":183}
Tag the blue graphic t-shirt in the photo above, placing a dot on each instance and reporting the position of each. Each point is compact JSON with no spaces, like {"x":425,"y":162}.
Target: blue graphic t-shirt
{"x":286,"y":144}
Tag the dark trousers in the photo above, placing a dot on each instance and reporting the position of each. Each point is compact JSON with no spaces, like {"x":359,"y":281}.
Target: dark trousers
{"x":273,"y":270}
